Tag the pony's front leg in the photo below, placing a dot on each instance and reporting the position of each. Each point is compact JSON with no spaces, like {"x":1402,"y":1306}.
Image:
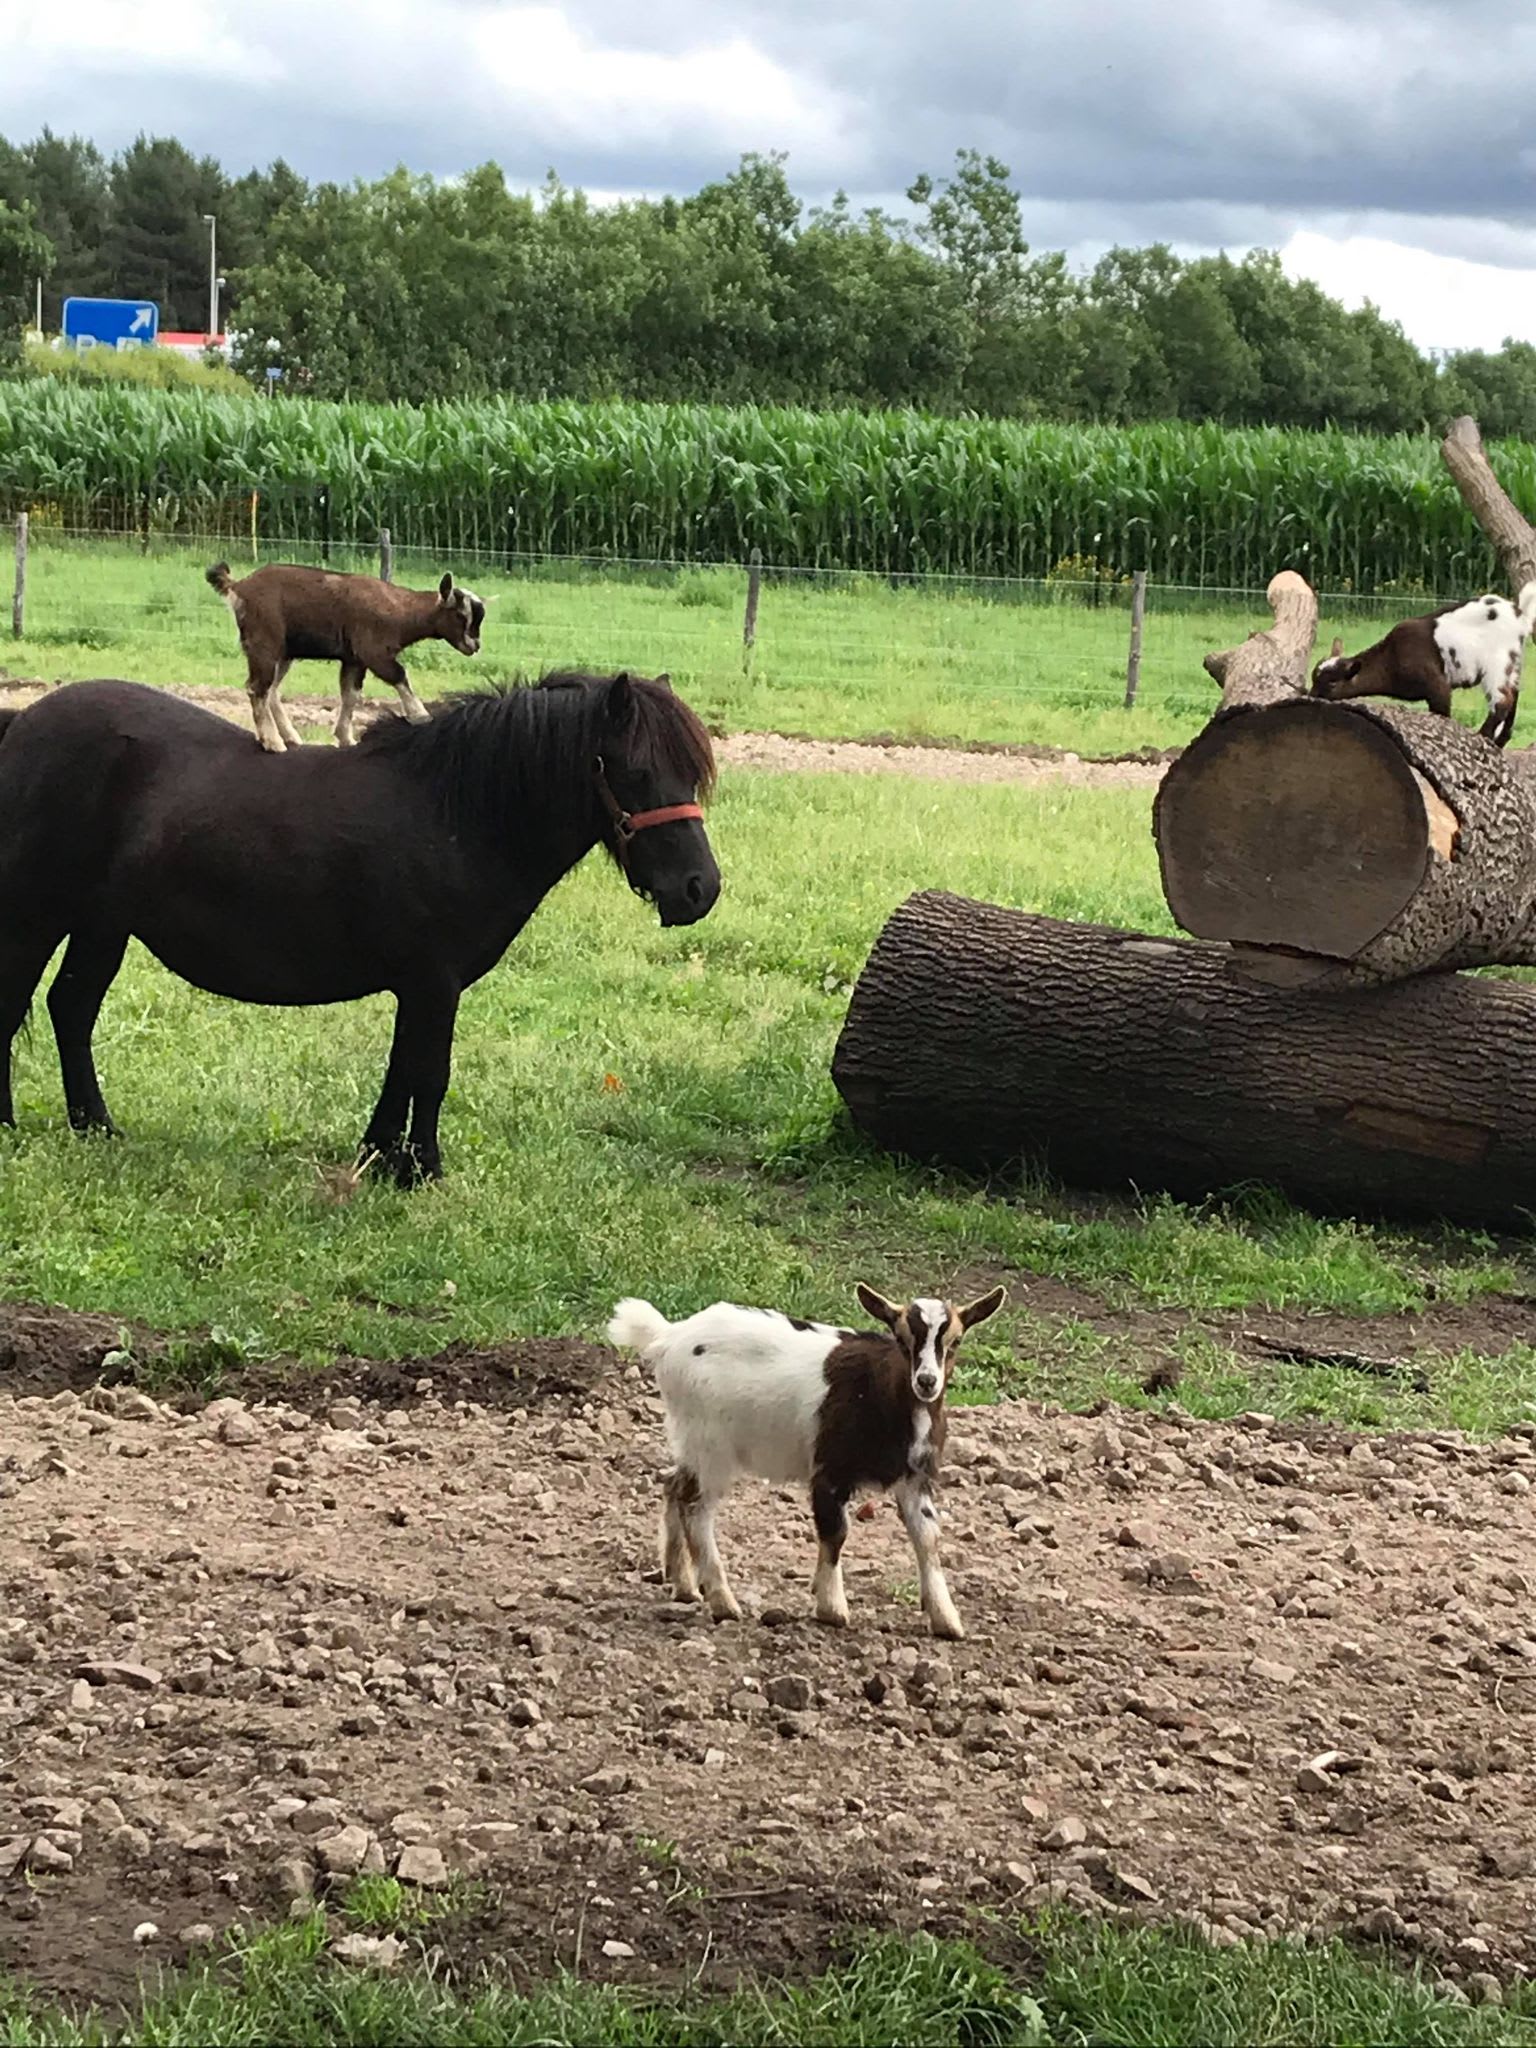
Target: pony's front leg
{"x":90,"y":964}
{"x":414,"y":1084}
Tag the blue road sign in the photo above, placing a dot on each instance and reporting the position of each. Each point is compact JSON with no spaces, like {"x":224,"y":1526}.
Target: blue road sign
{"x":111,"y":323}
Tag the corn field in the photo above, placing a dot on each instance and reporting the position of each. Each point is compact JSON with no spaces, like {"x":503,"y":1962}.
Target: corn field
{"x":897,"y":493}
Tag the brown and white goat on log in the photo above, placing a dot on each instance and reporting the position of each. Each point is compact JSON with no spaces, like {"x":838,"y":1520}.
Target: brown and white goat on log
{"x":747,"y":1390}
{"x":286,"y":614}
{"x":1423,"y":660}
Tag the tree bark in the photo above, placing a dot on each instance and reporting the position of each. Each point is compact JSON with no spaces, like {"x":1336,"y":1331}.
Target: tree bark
{"x":1343,"y":844}
{"x":981,"y":1037}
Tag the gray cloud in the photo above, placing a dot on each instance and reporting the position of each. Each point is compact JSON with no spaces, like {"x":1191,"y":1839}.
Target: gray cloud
{"x":1209,"y":123}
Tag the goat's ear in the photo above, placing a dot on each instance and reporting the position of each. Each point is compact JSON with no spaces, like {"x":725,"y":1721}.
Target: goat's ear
{"x":1337,"y":648}
{"x":445,"y":588}
{"x":877,"y":1306}
{"x":621,"y":699}
{"x":979,"y":1311}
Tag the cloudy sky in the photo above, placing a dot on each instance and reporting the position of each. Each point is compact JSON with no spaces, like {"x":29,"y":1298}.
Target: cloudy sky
{"x":1387,"y":147}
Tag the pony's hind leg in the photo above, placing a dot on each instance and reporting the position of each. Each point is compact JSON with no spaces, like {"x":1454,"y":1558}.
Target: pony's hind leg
{"x":23,"y":956}
{"x":90,"y":963}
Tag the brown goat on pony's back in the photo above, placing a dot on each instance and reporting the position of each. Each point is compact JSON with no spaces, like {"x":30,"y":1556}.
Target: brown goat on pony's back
{"x":286,"y":614}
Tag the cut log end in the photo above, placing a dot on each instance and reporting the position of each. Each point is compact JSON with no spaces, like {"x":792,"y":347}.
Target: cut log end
{"x":1300,"y":826}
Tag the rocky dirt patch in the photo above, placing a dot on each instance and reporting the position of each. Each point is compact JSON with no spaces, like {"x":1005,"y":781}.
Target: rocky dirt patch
{"x":246,"y":1651}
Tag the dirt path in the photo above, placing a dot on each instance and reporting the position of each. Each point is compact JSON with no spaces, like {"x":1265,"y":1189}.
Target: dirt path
{"x":1257,"y":1679}
{"x":1020,"y":764}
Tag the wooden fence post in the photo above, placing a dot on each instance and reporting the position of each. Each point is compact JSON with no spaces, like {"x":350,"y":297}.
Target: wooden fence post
{"x":754,"y":591}
{"x":19,"y":598}
{"x":325,"y":524}
{"x":1138,"y":612}
{"x":386,"y":557}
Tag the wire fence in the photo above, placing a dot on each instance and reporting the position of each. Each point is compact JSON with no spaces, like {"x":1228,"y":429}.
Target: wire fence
{"x":777,"y":628}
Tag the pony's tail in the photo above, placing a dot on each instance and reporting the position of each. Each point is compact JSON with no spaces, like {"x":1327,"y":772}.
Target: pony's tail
{"x":7,"y":720}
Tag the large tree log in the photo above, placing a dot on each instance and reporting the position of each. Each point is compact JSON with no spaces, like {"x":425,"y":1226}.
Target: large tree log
{"x":979,"y":1036}
{"x":1343,"y":844}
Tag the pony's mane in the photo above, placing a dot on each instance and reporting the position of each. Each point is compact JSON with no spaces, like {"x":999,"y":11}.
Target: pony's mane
{"x":485,"y":753}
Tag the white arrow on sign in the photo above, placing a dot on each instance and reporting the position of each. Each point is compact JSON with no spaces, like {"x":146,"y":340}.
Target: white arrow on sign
{"x":141,"y":319}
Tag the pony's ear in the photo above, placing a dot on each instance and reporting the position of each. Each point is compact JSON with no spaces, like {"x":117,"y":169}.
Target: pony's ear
{"x":978,"y":1311}
{"x":665,"y":679}
{"x":621,"y":699}
{"x":876,"y":1305}
{"x":445,"y":588}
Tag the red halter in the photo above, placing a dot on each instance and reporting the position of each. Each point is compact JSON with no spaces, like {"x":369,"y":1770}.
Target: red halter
{"x":627,"y":823}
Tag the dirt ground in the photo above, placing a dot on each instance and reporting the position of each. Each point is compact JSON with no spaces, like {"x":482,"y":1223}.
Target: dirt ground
{"x":882,"y":756}
{"x":1253,"y":1677}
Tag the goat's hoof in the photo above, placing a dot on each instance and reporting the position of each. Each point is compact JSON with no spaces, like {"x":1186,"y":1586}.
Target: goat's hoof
{"x":948,"y":1626}
{"x":724,"y":1610}
{"x":832,"y":1617}
{"x":686,"y":1596}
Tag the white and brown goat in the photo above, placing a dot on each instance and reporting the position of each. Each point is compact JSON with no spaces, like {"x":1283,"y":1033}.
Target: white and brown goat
{"x":751,"y":1391}
{"x":1461,"y":646}
{"x":286,"y":613}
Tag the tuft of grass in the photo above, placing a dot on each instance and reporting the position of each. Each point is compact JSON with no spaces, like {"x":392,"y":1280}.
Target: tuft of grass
{"x":283,"y":1988}
{"x":1109,"y":1986}
{"x":376,"y":1903}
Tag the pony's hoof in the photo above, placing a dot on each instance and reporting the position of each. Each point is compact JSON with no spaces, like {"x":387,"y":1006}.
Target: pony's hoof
{"x":93,"y":1127}
{"x":405,"y":1166}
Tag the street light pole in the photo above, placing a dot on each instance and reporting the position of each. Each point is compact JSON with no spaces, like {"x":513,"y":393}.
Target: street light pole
{"x":213,"y":276}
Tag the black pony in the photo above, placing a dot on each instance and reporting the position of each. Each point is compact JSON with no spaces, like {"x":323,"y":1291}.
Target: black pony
{"x":409,"y":863}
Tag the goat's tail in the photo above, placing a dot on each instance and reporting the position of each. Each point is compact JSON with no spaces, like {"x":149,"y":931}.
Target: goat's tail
{"x":1525,"y":605}
{"x":637,"y":1324}
{"x":220,"y":578}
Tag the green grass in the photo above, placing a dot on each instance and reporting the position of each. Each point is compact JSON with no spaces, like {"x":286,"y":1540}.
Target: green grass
{"x":840,"y":661}
{"x":158,"y":369}
{"x":1088,"y":1987}
{"x":640,"y":1110}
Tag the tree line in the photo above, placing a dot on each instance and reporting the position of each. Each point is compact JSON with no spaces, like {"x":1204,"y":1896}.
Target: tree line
{"x":408,"y":288}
